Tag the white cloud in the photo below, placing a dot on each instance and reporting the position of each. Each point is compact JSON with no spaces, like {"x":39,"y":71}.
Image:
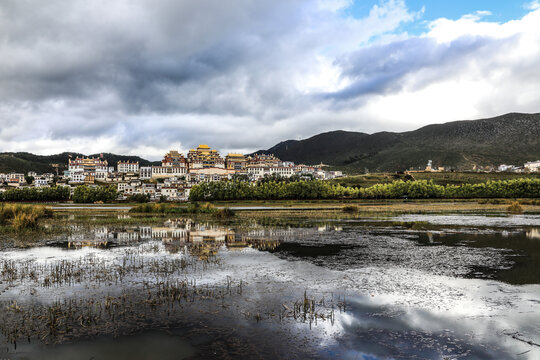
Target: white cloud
{"x":533,"y":5}
{"x":138,"y":78}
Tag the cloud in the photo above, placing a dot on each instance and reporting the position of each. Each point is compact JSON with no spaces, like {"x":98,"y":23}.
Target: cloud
{"x":140,"y":77}
{"x":494,"y":65}
{"x":533,"y":5}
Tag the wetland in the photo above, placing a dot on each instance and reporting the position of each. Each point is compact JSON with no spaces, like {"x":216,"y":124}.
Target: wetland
{"x":282,"y":284}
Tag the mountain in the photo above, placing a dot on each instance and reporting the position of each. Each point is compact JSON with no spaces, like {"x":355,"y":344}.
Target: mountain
{"x":23,"y":162}
{"x":511,"y":139}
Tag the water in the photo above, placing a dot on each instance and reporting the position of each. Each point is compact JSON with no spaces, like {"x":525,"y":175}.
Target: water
{"x":415,"y":286}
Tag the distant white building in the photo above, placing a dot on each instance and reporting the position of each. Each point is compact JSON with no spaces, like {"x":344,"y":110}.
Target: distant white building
{"x":168,"y":171}
{"x":505,"y":167}
{"x":77,"y":177}
{"x":12,"y":178}
{"x":533,"y":166}
{"x":171,"y":193}
{"x":284,"y":171}
{"x":149,"y":189}
{"x":128,"y":167}
{"x":121,"y":186}
{"x":256,"y":172}
{"x":41,"y":183}
{"x":145,"y":172}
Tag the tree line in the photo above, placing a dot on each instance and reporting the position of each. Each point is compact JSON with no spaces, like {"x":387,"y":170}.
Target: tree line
{"x":81,"y":194}
{"x":86,"y":195}
{"x":419,"y":189}
{"x":297,"y":190}
{"x":55,"y":193}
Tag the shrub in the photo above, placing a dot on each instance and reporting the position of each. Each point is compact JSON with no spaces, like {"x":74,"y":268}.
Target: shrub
{"x":515,"y":208}
{"x":24,"y":221}
{"x":193,"y":208}
{"x":350,"y":209}
{"x":225,"y":213}
{"x":139,"y":198}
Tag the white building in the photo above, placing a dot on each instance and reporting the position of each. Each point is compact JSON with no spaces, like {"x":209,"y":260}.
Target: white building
{"x":284,"y":171}
{"x":12,"y":178}
{"x":128,"y":167}
{"x":149,"y":189}
{"x":121,"y":186}
{"x":41,"y":183}
{"x":101,"y":175}
{"x":533,"y":166}
{"x":260,"y":171}
{"x":145,"y":172}
{"x":505,"y":167}
{"x":168,"y":171}
{"x":170,"y":193}
{"x":77,"y":177}
{"x":256,"y":172}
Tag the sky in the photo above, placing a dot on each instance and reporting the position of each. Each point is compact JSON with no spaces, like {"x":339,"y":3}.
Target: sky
{"x":143,"y":77}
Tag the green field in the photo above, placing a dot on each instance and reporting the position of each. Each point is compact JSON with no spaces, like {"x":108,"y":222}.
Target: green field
{"x":439,"y":178}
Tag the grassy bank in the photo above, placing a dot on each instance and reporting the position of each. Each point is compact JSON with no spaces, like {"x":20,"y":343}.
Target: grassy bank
{"x":358,"y":210}
{"x":190,"y":209}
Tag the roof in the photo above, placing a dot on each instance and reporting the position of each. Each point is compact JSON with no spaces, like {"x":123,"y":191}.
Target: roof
{"x":203,"y":146}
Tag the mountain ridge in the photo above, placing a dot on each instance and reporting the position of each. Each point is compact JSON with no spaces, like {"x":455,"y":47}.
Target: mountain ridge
{"x":24,"y":161}
{"x":510,"y":138}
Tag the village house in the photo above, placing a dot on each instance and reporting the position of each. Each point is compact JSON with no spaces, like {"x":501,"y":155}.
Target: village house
{"x":532,"y":166}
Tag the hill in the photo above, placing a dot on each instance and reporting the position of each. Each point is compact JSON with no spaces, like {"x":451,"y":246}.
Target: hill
{"x":512,"y":139}
{"x":24,"y":162}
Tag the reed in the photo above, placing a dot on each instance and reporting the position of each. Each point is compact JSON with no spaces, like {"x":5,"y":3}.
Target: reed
{"x":22,"y":217}
{"x":351,"y":209}
{"x":224,"y":213}
{"x":515,"y":208}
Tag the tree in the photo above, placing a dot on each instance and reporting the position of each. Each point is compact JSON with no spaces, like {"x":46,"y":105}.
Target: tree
{"x":85,"y":194}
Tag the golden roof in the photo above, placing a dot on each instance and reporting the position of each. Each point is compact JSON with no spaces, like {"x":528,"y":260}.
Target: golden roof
{"x":203,"y":146}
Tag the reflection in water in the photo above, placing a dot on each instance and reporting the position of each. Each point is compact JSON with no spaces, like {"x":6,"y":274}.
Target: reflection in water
{"x":203,"y":238}
{"x":533,"y":233}
{"x":367,"y":291}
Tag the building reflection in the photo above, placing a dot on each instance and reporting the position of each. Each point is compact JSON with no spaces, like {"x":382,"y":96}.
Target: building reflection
{"x":200,"y":239}
{"x":533,"y":233}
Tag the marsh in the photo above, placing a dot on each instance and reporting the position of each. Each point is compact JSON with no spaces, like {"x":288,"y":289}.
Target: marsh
{"x":419,"y":286}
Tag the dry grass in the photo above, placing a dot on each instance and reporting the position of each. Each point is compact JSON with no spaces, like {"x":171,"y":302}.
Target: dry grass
{"x":22,"y":217}
{"x":515,"y":208}
{"x":390,"y":208}
{"x":350,"y":209}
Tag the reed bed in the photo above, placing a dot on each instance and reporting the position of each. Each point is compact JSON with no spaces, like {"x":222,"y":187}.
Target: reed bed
{"x":22,"y":217}
{"x":191,"y":209}
{"x":124,"y":294}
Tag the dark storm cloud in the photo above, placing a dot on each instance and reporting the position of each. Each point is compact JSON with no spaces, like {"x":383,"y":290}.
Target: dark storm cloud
{"x":381,"y":69}
{"x":143,"y":76}
{"x":143,"y":53}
